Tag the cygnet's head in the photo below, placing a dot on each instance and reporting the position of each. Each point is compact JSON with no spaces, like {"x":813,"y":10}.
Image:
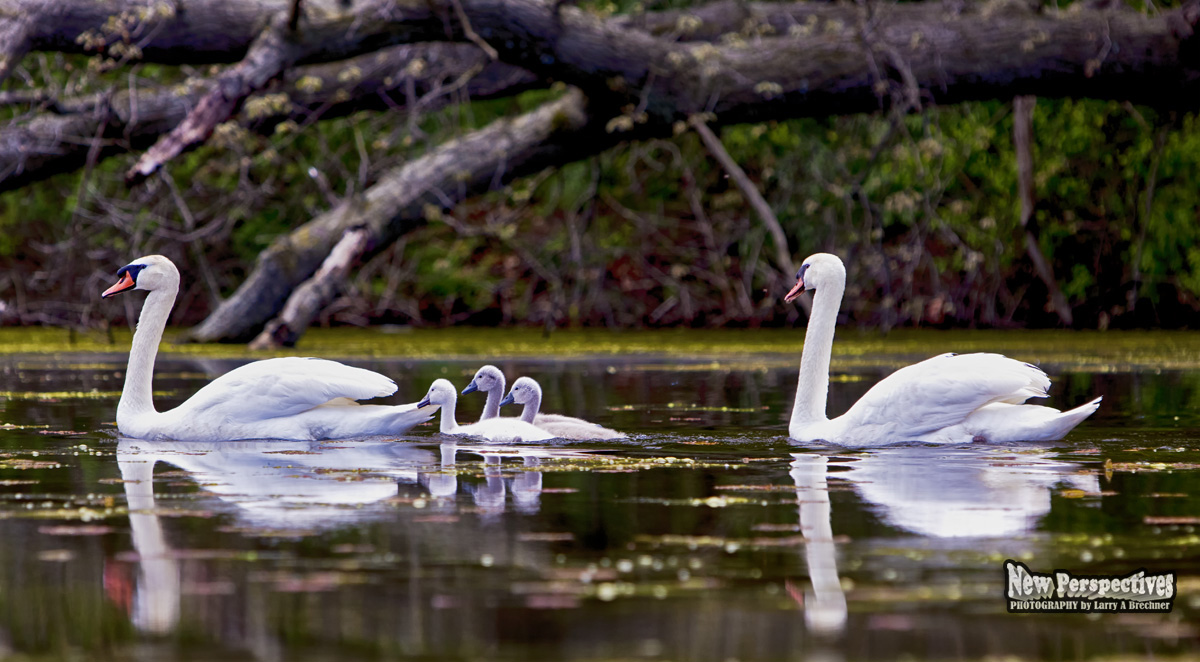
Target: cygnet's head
{"x":819,"y":270}
{"x":524,"y":390}
{"x":152,"y":272}
{"x":441,"y":392}
{"x":486,"y":378}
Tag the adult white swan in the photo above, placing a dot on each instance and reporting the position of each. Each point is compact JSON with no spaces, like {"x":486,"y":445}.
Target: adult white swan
{"x":283,"y":398}
{"x":442,"y":393}
{"x":947,"y":399}
{"x":528,"y":392}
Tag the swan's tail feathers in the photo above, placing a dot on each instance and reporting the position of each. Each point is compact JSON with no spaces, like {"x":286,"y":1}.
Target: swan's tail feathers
{"x":1066,"y":421}
{"x":409,"y":416}
{"x":1038,"y":386}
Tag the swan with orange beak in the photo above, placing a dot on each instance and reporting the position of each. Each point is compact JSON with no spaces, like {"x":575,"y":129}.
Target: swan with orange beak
{"x":282,"y":398}
{"x":947,"y":399}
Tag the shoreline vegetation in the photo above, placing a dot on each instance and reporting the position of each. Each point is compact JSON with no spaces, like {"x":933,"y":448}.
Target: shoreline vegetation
{"x":668,"y":178}
{"x":1094,"y":351}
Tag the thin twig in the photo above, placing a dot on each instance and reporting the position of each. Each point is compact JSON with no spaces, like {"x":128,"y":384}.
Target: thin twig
{"x":294,"y":15}
{"x":714,"y":146}
{"x":470,"y":32}
{"x":197,"y":250}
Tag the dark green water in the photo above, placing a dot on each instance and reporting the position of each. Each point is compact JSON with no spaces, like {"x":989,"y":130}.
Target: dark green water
{"x":706,"y":536}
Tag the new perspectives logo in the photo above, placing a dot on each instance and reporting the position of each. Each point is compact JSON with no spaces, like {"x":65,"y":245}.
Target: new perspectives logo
{"x":1029,"y":592}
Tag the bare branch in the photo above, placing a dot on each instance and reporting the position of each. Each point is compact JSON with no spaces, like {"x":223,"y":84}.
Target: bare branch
{"x":1023,"y":142}
{"x":557,"y":132}
{"x":470,"y":33}
{"x":712,"y":142}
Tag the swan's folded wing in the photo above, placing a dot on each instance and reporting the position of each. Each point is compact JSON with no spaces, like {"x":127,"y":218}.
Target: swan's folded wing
{"x":944,"y":390}
{"x":286,"y":387}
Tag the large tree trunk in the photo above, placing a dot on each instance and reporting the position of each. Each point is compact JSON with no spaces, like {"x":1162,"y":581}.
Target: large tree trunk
{"x":59,"y":139}
{"x":774,"y":60}
{"x":789,"y":59}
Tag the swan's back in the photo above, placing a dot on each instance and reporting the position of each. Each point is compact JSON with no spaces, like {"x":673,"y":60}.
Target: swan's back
{"x":287,"y":386}
{"x":942,"y":392}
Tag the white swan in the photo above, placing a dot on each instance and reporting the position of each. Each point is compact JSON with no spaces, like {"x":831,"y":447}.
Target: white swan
{"x":944,"y":400}
{"x":442,"y":393}
{"x":528,"y":392}
{"x":283,"y":398}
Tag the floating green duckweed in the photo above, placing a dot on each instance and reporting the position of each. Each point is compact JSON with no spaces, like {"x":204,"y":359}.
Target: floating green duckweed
{"x":727,"y":349}
{"x":50,"y":396}
{"x":22,"y":463}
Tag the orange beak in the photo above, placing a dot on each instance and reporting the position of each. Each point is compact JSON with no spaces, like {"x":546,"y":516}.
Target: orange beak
{"x":125,"y":283}
{"x":796,"y":291}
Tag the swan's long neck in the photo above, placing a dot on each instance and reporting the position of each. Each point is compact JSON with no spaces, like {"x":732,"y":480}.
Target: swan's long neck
{"x":448,"y":422}
{"x":812,"y":390}
{"x":136,"y":398}
{"x":532,"y":406}
{"x":491,"y":408}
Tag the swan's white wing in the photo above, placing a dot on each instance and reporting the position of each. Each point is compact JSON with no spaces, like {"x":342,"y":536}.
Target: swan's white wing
{"x":285,"y":387}
{"x":942,"y":391}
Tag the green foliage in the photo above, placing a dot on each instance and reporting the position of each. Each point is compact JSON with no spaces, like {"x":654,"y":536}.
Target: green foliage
{"x":923,"y":207}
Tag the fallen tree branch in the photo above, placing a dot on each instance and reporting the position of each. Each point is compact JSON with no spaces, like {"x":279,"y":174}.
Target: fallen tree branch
{"x":789,"y":60}
{"x":557,"y":132}
{"x":267,"y":58}
{"x":314,"y":294}
{"x":50,"y":143}
{"x":794,"y":59}
{"x":208,"y":32}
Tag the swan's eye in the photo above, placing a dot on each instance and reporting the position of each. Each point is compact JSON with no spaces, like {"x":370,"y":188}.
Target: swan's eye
{"x":803,"y":268}
{"x":132,"y":269}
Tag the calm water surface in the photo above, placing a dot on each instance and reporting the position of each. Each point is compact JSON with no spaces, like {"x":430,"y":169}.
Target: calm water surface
{"x":705,"y":536}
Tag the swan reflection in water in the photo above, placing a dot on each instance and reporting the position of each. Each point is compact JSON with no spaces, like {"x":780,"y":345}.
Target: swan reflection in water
{"x":951,"y":493}
{"x":298,"y":488}
{"x":825,"y":603}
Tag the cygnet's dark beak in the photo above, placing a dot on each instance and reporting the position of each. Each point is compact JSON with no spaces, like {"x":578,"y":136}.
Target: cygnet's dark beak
{"x":424,"y":402}
{"x":471,"y":388}
{"x":508,"y":400}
